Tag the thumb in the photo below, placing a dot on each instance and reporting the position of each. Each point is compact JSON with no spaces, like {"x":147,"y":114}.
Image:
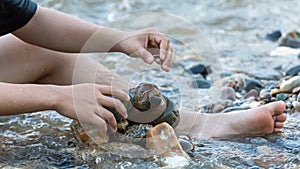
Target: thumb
{"x":146,"y":56}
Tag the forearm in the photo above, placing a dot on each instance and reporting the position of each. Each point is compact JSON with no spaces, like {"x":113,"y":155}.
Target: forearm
{"x":24,"y":98}
{"x":57,"y":31}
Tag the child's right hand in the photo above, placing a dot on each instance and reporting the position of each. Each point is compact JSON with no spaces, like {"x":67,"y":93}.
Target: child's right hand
{"x":87,"y":102}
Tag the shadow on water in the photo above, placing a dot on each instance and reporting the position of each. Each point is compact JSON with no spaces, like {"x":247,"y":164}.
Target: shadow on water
{"x":44,"y":139}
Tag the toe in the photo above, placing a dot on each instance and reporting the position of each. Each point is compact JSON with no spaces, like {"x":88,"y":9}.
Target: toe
{"x":276,"y":130}
{"x":281,"y":117}
{"x":277,"y":107}
{"x":278,"y":125}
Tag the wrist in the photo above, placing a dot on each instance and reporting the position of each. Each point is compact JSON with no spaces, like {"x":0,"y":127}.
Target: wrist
{"x":119,"y":37}
{"x":57,"y":97}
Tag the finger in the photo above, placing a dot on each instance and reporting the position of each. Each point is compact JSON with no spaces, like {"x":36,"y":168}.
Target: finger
{"x":97,"y":124}
{"x":173,"y":58}
{"x":111,"y":91}
{"x":146,"y":56}
{"x":113,"y":104}
{"x":167,"y":62}
{"x":108,"y":117}
{"x":164,"y":46}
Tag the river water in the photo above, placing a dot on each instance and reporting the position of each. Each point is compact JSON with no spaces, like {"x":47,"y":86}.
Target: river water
{"x":225,"y":34}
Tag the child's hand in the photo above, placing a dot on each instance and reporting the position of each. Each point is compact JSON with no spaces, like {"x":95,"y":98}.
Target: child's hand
{"x":87,"y":102}
{"x":146,"y":43}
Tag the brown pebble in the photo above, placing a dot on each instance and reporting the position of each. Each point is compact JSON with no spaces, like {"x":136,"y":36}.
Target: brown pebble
{"x":296,"y":90}
{"x":228,"y":93}
{"x":218,"y":108}
{"x":251,"y":93}
{"x":274,"y":91}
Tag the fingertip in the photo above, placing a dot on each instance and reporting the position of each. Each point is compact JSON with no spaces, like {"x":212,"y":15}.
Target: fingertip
{"x":127,"y":98}
{"x":149,"y":60}
{"x":166,"y":68}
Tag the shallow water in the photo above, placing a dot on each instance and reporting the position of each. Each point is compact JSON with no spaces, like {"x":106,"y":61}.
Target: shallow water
{"x":233,"y":27}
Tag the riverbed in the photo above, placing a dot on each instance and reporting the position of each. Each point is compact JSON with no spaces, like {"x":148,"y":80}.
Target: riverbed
{"x":228,"y":35}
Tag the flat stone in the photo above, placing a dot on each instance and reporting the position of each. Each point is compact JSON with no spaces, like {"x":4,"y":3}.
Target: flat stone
{"x":162,"y":140}
{"x":281,"y":96}
{"x":296,"y":105}
{"x":292,"y":40}
{"x":186,"y":144}
{"x":296,"y":90}
{"x":251,"y":93}
{"x":230,"y":109}
{"x":251,"y":83}
{"x":273,"y":36}
{"x":200,"y":69}
{"x":265,"y":94}
{"x":264,"y":150}
{"x":228,"y":93}
{"x":288,"y":85}
{"x":218,"y":108}
{"x":274,"y":91}
{"x":200,"y":84}
{"x":294,"y":71}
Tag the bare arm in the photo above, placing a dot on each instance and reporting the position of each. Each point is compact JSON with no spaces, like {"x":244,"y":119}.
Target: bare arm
{"x":58,"y":31}
{"x":61,"y":32}
{"x":23,"y":98}
{"x":84,"y":102}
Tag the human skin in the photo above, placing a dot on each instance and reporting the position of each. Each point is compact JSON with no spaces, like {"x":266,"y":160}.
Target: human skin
{"x":21,"y":57}
{"x":54,"y":70}
{"x":37,"y":74}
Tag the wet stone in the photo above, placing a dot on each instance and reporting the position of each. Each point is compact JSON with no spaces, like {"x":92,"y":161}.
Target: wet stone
{"x":259,"y":141}
{"x":296,"y":105}
{"x":200,"y":69}
{"x":251,"y":83}
{"x":281,"y":96}
{"x":295,"y":150}
{"x":273,"y":36}
{"x":296,"y":90}
{"x":228,"y":93}
{"x":163,"y":141}
{"x":264,"y":150}
{"x":218,"y":108}
{"x":292,"y":40}
{"x":186,"y":144}
{"x":265,"y":94}
{"x":290,"y":144}
{"x":228,"y":103}
{"x":294,"y":71}
{"x":230,"y":109}
{"x":289,"y":105}
{"x":288,"y":85}
{"x":225,"y":74}
{"x":200,"y":84}
{"x":251,"y":93}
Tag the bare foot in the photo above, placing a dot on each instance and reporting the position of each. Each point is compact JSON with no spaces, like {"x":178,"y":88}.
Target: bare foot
{"x":262,"y":120}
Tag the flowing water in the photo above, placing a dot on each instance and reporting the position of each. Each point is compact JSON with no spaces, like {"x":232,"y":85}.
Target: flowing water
{"x":234,"y":29}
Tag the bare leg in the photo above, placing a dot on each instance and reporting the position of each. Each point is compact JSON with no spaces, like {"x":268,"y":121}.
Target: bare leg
{"x":24,"y":63}
{"x":265,"y":119}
